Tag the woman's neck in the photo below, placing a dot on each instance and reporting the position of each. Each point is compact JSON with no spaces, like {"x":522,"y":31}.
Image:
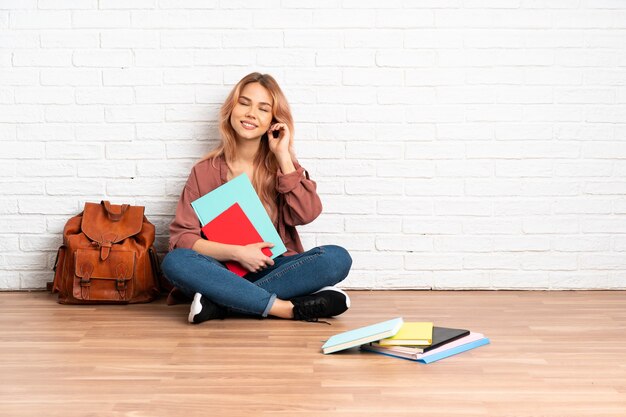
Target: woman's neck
{"x":246,"y":151}
{"x":244,"y":158}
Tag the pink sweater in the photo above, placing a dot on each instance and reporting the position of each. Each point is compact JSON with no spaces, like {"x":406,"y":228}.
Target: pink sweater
{"x":298,"y":203}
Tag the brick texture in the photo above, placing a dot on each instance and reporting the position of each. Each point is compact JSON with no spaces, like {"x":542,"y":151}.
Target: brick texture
{"x":474,"y":144}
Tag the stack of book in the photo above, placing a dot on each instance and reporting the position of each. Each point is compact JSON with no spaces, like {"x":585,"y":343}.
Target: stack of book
{"x":417,"y":341}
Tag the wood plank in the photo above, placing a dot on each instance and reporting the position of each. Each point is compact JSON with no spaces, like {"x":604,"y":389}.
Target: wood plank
{"x":551,"y":354}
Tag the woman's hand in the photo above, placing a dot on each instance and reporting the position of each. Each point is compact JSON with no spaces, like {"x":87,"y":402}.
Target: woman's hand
{"x":280,"y":145}
{"x":252,"y":258}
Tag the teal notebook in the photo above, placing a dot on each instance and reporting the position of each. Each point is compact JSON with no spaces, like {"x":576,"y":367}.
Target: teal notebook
{"x":362,"y":335}
{"x":239,"y":190}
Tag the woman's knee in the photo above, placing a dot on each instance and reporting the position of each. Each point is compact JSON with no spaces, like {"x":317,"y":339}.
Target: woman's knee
{"x":339,"y":259}
{"x":175,"y":260}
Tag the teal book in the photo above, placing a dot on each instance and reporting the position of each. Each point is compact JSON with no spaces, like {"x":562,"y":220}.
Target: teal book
{"x":362,"y":335}
{"x":239,"y":190}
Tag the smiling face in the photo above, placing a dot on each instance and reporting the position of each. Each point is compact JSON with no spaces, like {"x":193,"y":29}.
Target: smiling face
{"x":252,"y":115}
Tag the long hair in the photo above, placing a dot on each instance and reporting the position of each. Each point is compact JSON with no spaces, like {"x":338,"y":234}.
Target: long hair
{"x":265,"y":163}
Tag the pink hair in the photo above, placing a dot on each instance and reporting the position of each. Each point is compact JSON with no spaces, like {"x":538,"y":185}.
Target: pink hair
{"x":265,"y":163}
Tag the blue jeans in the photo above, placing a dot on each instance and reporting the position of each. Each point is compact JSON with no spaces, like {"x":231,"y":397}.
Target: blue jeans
{"x":290,"y":276}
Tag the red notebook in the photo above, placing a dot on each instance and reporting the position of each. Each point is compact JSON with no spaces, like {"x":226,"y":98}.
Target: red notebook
{"x":233,"y":227}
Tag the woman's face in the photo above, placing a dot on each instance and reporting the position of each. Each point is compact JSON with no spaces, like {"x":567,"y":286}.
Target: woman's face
{"x":252,"y":115}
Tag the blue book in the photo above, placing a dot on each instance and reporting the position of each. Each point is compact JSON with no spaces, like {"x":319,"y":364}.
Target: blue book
{"x":454,"y":351}
{"x":362,"y":335}
{"x":472,"y":341}
{"x":239,"y":190}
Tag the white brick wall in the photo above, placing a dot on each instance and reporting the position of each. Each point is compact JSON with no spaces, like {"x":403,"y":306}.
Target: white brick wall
{"x":457,"y":144}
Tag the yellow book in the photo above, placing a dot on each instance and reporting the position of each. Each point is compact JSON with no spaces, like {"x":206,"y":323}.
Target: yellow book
{"x":411,"y":334}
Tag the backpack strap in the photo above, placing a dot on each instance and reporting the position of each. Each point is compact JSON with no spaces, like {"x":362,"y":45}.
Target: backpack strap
{"x":104,"y":244}
{"x":160,"y":279}
{"x":114,"y":215}
{"x":86,"y":269}
{"x":54,"y":286}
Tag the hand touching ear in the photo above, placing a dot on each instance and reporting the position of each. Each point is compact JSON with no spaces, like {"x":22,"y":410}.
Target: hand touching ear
{"x":279,"y":145}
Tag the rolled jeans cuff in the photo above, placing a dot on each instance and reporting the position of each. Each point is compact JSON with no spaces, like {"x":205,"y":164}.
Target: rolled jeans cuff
{"x":270,"y":303}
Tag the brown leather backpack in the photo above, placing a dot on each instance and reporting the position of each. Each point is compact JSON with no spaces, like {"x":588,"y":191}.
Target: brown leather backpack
{"x":107,"y":257}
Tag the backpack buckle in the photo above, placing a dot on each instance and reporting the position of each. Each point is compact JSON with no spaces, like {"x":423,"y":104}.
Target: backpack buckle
{"x":86,"y":270}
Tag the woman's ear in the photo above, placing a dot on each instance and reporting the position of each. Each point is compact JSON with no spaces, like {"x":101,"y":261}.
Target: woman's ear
{"x":274,"y":133}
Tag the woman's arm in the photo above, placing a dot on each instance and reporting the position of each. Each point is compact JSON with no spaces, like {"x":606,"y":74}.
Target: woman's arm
{"x":185,"y":227}
{"x":286,"y":164}
{"x":219,"y":251}
{"x":250,"y":257}
{"x":302,"y":204}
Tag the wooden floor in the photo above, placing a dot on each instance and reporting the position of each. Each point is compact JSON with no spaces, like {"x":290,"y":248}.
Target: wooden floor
{"x":551,"y":354}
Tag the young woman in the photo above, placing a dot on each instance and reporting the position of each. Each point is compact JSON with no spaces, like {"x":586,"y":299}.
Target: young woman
{"x":256,"y":130}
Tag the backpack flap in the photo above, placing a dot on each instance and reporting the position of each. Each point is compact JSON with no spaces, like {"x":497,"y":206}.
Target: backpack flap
{"x":111,"y":276}
{"x":106,"y":224}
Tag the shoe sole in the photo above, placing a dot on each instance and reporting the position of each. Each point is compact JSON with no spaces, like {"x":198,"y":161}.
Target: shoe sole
{"x":196,"y":307}
{"x":330,"y":288}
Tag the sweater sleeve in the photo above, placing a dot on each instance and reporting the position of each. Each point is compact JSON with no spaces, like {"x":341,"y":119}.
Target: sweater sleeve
{"x":185,"y":228}
{"x":302,"y":204}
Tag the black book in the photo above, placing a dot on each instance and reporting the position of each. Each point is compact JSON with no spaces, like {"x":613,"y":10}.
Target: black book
{"x":441,"y":336}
